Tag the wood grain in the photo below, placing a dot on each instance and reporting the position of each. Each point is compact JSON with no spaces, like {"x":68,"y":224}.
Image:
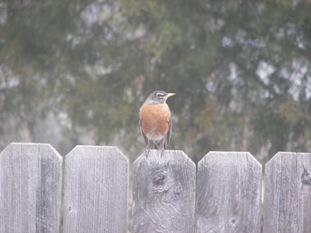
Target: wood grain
{"x":164,"y":193}
{"x":287,"y":198}
{"x":229,"y":188}
{"x":95,"y":190}
{"x":30,"y":189}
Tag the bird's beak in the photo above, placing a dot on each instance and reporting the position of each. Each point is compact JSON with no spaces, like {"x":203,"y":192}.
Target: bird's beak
{"x":169,"y":95}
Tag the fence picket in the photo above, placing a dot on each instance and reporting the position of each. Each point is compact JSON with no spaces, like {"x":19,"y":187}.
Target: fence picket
{"x":164,"y":193}
{"x":287,"y":199}
{"x":229,"y":187}
{"x":30,"y":189}
{"x":95,"y":190}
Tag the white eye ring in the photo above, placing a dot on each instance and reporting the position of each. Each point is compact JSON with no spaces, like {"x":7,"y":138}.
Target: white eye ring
{"x":160,"y":95}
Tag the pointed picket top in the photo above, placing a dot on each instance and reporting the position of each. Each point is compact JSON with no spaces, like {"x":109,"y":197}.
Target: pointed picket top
{"x":163,"y":156}
{"x":90,"y":150}
{"x":229,"y":191}
{"x":164,"y":192}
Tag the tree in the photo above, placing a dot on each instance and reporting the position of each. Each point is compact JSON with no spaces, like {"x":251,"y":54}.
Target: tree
{"x":241,"y":70}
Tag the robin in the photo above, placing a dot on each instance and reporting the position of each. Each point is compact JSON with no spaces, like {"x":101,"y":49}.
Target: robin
{"x":155,"y":120}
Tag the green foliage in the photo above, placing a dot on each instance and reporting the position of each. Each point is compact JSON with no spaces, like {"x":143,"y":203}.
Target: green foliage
{"x":241,"y":71}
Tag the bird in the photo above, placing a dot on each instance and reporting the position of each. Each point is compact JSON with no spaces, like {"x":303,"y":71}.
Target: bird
{"x":155,"y":120}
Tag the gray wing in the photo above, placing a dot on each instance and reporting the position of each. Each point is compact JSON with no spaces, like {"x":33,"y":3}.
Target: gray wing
{"x":142,"y":133}
{"x":169,"y":133}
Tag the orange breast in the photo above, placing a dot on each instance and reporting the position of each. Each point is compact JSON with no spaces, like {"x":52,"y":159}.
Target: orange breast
{"x":155,"y":120}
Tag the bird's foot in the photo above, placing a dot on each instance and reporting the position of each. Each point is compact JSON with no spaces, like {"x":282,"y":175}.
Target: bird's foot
{"x":147,"y":150}
{"x":162,"y":152}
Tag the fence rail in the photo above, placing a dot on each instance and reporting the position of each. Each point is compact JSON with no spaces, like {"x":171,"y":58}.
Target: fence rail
{"x":87,"y":192}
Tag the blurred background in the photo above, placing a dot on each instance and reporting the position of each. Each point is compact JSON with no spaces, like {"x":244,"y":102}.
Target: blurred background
{"x":77,"y":71}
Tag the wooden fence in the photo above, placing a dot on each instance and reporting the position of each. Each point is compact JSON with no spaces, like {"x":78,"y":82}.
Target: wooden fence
{"x":87,"y":192}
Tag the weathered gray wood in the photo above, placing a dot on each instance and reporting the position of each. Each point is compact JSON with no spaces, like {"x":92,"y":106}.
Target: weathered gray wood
{"x":30,"y":189}
{"x":164,"y":193}
{"x":229,"y":187}
{"x":95,"y":190}
{"x":287,"y":198}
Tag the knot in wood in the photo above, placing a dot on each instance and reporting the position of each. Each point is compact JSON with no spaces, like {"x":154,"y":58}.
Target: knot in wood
{"x":159,"y":179}
{"x":306,"y":177}
{"x":178,"y":190}
{"x":233,"y":221}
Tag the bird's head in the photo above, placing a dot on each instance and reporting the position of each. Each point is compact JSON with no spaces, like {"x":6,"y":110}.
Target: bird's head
{"x":158,"y":97}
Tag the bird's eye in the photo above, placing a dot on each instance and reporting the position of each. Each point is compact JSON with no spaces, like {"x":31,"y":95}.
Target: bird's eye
{"x":160,"y":94}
